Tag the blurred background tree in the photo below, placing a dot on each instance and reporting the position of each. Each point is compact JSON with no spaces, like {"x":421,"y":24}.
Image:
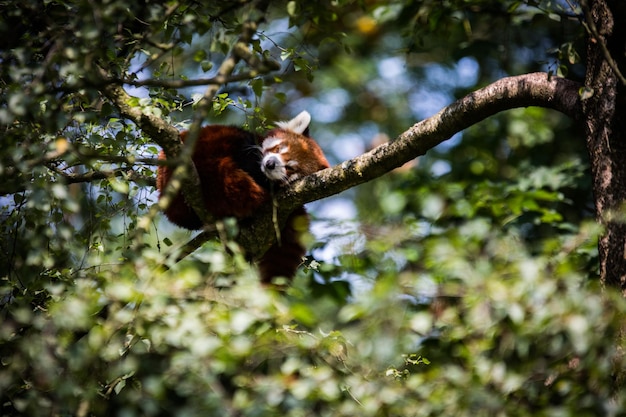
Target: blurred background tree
{"x":463,"y":283}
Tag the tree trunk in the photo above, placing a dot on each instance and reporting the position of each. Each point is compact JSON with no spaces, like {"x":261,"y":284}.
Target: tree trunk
{"x":605,"y":124}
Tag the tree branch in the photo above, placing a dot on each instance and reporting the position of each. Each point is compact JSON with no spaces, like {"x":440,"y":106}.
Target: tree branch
{"x":218,"y":80}
{"x":164,"y":134}
{"x":14,"y":181}
{"x":77,"y":178}
{"x":259,"y":67}
{"x":536,"y":89}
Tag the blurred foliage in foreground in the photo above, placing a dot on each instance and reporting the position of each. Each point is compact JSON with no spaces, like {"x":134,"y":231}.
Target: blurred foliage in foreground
{"x":483,"y":327}
{"x":463,"y":285}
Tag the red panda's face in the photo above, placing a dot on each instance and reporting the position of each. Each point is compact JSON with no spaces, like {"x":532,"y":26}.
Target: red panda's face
{"x":287,"y":154}
{"x":277,"y":164}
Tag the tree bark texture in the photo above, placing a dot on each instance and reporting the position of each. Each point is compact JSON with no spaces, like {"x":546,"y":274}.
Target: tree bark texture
{"x":605,"y":124}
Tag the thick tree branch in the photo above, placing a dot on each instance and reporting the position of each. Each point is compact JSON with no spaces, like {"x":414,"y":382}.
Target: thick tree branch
{"x":605,"y":132}
{"x":164,"y":134}
{"x":537,"y":89}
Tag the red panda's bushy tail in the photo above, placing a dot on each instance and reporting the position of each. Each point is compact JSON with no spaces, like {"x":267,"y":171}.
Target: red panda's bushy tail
{"x":284,"y":257}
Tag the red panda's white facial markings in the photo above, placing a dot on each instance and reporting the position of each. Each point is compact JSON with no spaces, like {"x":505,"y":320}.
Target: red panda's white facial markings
{"x":274,"y":162}
{"x":279,"y":161}
{"x":282,"y":148}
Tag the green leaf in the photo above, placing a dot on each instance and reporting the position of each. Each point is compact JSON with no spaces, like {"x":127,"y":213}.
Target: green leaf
{"x":257,"y":86}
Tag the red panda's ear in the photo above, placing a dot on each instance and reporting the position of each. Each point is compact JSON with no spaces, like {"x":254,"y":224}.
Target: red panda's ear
{"x":299,"y":124}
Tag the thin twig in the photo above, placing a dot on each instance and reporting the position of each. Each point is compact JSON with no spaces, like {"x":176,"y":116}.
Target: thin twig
{"x":75,"y":178}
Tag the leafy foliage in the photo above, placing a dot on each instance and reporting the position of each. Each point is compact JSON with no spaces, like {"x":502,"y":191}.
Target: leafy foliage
{"x":464,"y":284}
{"x":502,"y":331}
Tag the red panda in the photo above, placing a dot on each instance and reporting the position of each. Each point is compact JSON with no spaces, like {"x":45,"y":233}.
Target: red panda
{"x":236,"y":167}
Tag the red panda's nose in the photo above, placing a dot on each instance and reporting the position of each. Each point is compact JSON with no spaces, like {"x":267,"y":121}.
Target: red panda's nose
{"x":270,"y":164}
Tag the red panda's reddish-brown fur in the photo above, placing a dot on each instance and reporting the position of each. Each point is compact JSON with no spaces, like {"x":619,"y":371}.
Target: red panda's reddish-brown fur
{"x":235,"y":168}
{"x":224,"y":183}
